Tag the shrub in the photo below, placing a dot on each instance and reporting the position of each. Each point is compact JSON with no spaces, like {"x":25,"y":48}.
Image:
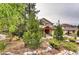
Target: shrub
{"x":26,"y":37}
{"x":72,"y":39}
{"x":12,"y":28}
{"x":65,"y":38}
{"x":32,"y":39}
{"x":55,"y":43}
{"x":2,"y":45}
{"x":71,"y":46}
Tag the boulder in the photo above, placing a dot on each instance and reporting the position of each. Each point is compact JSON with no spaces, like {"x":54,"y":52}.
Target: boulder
{"x":39,"y":52}
{"x":15,"y":38}
{"x":77,"y":41}
{"x":7,"y":53}
{"x":44,"y":44}
{"x":49,"y":48}
{"x":34,"y":52}
{"x":28,"y":53}
{"x":2,"y":37}
{"x":66,"y":52}
{"x":67,"y":41}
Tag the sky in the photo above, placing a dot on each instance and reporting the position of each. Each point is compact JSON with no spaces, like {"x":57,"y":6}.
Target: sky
{"x":65,"y":12}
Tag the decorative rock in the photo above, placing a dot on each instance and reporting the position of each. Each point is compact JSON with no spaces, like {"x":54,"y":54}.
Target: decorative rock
{"x":49,"y":48}
{"x":43,"y":51}
{"x":66,"y":52}
{"x":7,"y":53}
{"x":34,"y":52}
{"x":77,"y":41}
{"x":2,"y":37}
{"x":67,"y":40}
{"x":70,"y":52}
{"x":15,"y":38}
{"x":39,"y":52}
{"x":28,"y":53}
{"x":45,"y":44}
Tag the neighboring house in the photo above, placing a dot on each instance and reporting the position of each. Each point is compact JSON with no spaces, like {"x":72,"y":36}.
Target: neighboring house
{"x":69,"y":29}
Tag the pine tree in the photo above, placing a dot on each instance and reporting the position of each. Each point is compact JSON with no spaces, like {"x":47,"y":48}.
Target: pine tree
{"x":33,"y":35}
{"x":31,"y":10}
{"x":58,"y":33}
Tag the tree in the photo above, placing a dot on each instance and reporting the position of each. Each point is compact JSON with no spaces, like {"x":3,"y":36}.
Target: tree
{"x":31,"y":10}
{"x":58,"y":33}
{"x":11,"y":15}
{"x":33,"y":35}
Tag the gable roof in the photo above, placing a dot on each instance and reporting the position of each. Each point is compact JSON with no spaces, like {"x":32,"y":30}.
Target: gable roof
{"x":67,"y":25}
{"x":45,"y":20}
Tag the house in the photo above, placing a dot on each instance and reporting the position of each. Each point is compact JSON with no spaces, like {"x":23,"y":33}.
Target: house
{"x":46,"y":26}
{"x":69,"y":29}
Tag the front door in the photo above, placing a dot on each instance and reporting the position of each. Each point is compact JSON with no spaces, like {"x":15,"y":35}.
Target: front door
{"x":47,"y":30}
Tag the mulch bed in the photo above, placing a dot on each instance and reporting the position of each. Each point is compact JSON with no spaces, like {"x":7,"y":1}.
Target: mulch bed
{"x":16,"y":48}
